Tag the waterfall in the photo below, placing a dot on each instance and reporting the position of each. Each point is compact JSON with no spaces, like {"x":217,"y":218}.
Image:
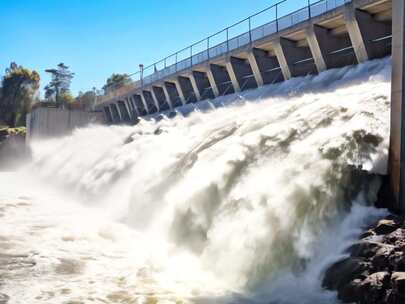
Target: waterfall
{"x":246,"y":198}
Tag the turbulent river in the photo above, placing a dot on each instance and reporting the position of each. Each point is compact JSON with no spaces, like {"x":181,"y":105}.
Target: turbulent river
{"x":246,"y":199}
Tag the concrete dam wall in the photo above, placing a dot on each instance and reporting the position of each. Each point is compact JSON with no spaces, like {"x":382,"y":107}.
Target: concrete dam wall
{"x":323,"y":35}
{"x":48,"y":122}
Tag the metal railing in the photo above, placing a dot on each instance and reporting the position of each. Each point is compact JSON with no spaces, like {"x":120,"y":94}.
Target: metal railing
{"x":233,"y":37}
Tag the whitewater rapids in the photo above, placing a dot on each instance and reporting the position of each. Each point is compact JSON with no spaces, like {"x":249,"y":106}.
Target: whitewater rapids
{"x":245,"y":199}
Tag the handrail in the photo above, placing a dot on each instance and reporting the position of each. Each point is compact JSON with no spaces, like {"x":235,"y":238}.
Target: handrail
{"x":205,"y":54}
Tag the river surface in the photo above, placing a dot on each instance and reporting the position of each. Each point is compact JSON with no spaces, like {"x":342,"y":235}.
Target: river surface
{"x":245,"y":199}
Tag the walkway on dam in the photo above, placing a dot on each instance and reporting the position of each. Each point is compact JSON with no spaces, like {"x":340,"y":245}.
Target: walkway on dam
{"x":317,"y":36}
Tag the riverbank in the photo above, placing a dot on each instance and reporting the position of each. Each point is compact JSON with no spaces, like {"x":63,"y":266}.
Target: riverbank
{"x":373,"y":272}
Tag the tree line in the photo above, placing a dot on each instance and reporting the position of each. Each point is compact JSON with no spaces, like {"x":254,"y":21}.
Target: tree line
{"x":19,"y":91}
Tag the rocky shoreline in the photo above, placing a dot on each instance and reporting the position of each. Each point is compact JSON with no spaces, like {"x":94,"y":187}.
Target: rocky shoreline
{"x":374,"y":270}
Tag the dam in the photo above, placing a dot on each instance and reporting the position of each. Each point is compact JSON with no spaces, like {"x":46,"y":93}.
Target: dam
{"x":318,"y":36}
{"x":239,"y":170}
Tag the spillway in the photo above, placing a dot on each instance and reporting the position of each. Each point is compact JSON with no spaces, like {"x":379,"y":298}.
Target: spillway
{"x":246,"y":198}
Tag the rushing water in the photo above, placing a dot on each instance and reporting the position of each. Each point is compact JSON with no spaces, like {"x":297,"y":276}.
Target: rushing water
{"x":247,"y":199}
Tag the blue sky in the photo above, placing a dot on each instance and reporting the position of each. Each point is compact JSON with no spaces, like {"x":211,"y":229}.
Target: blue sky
{"x":99,"y":37}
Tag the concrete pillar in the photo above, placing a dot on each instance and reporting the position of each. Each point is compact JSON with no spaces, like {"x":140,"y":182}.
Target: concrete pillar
{"x":285,"y":69}
{"x":222,"y":79}
{"x":315,"y":48}
{"x":179,"y":91}
{"x":115,"y":112}
{"x":203,"y":85}
{"x":294,"y":60}
{"x":161,"y":98}
{"x":364,"y":31}
{"x":119,"y":111}
{"x":148,"y":98}
{"x":167,"y":96}
{"x":108,"y":115}
{"x":255,"y":68}
{"x":145,"y":104}
{"x":125,"y":116}
{"x":213,"y":84}
{"x":195,"y":86}
{"x":328,"y":50}
{"x":397,"y":137}
{"x":155,"y":100}
{"x":132,"y":100}
{"x":140,"y":105}
{"x":232,"y":75}
{"x":173,"y":94}
{"x":187,"y":89}
{"x":243,"y":73}
{"x":267,"y":65}
{"x":354,"y":31}
{"x":130,"y":113}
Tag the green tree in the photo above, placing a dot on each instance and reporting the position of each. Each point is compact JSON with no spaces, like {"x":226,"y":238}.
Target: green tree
{"x":59,"y":87}
{"x":87,"y":99}
{"x":116,"y":81}
{"x":19,"y":90}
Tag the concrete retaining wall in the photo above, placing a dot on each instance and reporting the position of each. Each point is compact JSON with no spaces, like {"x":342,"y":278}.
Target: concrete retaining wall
{"x":48,"y":122}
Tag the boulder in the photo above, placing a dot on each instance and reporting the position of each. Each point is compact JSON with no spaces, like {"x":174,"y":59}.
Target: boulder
{"x":373,"y":289}
{"x":386,"y":226}
{"x":365,"y":248}
{"x":343,"y":272}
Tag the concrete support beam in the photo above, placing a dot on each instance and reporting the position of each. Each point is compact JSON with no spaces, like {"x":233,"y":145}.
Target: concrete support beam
{"x":121,"y":118}
{"x":180,"y":92}
{"x":329,"y":50}
{"x":115,"y":112}
{"x":255,"y":68}
{"x":243,"y":73}
{"x":187,"y":89}
{"x":135,"y":109}
{"x":203,"y":85}
{"x":397,"y":137}
{"x":232,"y":75}
{"x":285,"y":69}
{"x":145,"y":104}
{"x":173,"y":93}
{"x":268,"y":66}
{"x":354,"y":31}
{"x":129,"y":108}
{"x":195,"y":86}
{"x":314,"y":46}
{"x":108,"y":115}
{"x":150,"y":102}
{"x":365,"y":34}
{"x":123,"y":111}
{"x":155,"y":100}
{"x":222,"y":79}
{"x":161,"y":98}
{"x":213,"y":84}
{"x":167,"y":96}
{"x":140,"y":105}
{"x":294,"y":60}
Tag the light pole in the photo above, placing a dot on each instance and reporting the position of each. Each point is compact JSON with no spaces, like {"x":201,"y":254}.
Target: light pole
{"x":141,"y":74}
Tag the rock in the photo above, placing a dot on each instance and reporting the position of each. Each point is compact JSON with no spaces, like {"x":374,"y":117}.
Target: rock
{"x":373,"y":289}
{"x":397,"y":295}
{"x":375,"y":271}
{"x":343,"y":272}
{"x":386,"y":226}
{"x":398,"y":280}
{"x":365,"y":249}
{"x":380,"y":261}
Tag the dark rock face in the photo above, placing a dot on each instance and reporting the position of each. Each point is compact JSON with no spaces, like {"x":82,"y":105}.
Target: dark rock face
{"x":374,"y":271}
